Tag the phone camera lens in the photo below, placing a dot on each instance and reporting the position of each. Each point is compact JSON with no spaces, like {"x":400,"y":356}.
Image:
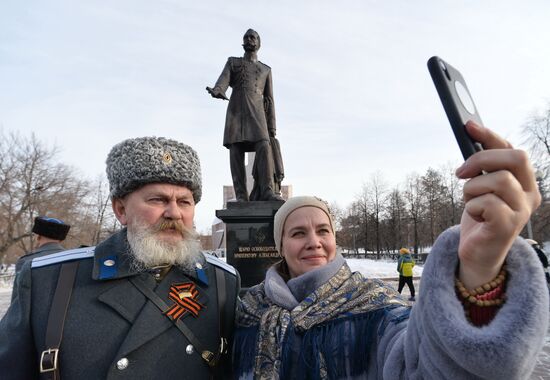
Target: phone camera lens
{"x":444,"y":68}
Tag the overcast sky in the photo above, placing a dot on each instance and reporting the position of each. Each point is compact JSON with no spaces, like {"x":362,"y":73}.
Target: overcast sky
{"x":352,"y":92}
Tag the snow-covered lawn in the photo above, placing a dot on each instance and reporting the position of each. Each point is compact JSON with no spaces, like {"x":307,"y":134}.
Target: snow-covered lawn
{"x":379,"y":268}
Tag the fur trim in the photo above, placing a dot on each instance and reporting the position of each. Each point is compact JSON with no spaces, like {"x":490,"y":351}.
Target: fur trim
{"x":506,"y":348}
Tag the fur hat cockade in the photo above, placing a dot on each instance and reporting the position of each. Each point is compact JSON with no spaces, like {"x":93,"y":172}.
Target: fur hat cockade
{"x":50,"y":227}
{"x":136,"y":162}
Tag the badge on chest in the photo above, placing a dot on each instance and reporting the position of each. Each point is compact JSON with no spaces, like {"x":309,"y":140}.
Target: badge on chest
{"x":185,"y":298}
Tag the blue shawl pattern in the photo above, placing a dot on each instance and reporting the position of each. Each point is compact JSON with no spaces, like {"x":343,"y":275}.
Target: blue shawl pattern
{"x":329,"y":334}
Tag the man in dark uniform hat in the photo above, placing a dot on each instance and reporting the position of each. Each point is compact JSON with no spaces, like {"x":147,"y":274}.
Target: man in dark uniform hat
{"x":50,"y":232}
{"x":145,"y":303}
{"x":250,"y":119}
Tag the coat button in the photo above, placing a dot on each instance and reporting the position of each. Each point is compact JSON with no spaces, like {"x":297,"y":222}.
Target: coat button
{"x":109,"y":263}
{"x":122,"y":364}
{"x":189,"y":349}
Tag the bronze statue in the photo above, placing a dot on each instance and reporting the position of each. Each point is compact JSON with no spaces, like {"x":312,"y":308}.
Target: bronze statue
{"x":250,"y":122}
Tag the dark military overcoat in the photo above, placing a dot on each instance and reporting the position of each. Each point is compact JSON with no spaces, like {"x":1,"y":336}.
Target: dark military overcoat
{"x":112,"y":331}
{"x":251,"y":112}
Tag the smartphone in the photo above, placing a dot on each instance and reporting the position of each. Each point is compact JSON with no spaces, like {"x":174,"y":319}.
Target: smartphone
{"x":457,"y":102}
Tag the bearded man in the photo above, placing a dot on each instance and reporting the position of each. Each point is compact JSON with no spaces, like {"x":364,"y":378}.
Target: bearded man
{"x":145,"y":303}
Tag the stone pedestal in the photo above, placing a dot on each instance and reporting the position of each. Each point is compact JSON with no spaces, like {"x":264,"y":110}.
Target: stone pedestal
{"x":250,"y":247}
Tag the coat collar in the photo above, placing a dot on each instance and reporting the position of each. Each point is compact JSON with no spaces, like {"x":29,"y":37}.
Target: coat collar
{"x":49,"y":247}
{"x":45,"y":249}
{"x":112,"y":260}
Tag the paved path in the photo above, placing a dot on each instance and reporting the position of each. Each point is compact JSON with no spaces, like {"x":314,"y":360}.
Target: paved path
{"x":5,"y":292}
{"x":542,"y":371}
{"x":5,"y":297}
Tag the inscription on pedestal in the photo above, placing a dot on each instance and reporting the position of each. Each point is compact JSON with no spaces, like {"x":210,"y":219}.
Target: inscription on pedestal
{"x":249,"y":239}
{"x":255,"y":252}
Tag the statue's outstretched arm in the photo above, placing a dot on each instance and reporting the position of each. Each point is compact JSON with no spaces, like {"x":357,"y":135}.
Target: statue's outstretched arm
{"x":222,"y":84}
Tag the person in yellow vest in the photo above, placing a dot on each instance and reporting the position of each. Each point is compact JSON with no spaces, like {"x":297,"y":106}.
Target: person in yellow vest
{"x":405,"y":266}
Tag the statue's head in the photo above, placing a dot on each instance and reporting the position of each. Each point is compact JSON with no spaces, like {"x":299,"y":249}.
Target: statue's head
{"x":251,"y":41}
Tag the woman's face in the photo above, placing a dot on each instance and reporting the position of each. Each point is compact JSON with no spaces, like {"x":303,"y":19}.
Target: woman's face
{"x":308,"y":241}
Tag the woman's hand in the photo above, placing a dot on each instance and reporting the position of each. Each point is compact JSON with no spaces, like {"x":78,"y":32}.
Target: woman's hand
{"x":498,"y":204}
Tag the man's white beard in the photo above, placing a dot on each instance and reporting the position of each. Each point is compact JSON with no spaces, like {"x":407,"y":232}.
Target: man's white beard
{"x":150,"y":251}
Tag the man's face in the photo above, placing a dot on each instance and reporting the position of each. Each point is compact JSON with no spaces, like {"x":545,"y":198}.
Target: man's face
{"x":251,"y":41}
{"x":160,"y":206}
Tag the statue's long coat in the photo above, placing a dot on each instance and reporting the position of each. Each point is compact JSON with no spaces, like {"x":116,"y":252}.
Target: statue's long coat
{"x":250,"y":113}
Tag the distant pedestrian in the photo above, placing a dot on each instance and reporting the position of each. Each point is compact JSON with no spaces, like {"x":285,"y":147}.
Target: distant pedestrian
{"x":405,"y":266}
{"x":50,"y":232}
{"x":542,"y":257}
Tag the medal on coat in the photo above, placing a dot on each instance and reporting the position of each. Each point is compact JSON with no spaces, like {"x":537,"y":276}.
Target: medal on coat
{"x":185,"y":300}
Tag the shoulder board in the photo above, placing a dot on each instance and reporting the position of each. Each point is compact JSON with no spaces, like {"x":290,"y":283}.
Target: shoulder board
{"x":234,"y":59}
{"x":265,"y":65}
{"x":60,"y":257}
{"x":220,"y":263}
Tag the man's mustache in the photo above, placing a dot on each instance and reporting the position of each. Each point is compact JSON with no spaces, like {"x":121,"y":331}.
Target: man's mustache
{"x":171,"y":225}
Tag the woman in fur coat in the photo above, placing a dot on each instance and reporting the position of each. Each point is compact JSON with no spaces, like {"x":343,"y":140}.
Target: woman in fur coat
{"x":482,"y":313}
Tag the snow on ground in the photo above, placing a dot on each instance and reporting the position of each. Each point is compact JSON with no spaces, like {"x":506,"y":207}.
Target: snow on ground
{"x":375,"y":268}
{"x":6,"y":278}
{"x":379,"y":269}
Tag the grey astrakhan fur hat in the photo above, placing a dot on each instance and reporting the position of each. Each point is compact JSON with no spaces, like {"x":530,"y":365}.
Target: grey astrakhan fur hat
{"x":136,"y":162}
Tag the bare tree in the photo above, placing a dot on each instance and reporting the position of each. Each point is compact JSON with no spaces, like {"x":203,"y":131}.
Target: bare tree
{"x":361,"y":208}
{"x":396,"y":222}
{"x":536,"y":132}
{"x":376,"y":192}
{"x":104,"y":215}
{"x":95,"y":220}
{"x":32,"y":184}
{"x":453,"y":196}
{"x":349,"y":226}
{"x":337,"y":214}
{"x":433,"y":191}
{"x":413,"y":195}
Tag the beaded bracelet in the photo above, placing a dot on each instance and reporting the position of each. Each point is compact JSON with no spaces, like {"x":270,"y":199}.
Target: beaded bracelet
{"x":489,"y":294}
